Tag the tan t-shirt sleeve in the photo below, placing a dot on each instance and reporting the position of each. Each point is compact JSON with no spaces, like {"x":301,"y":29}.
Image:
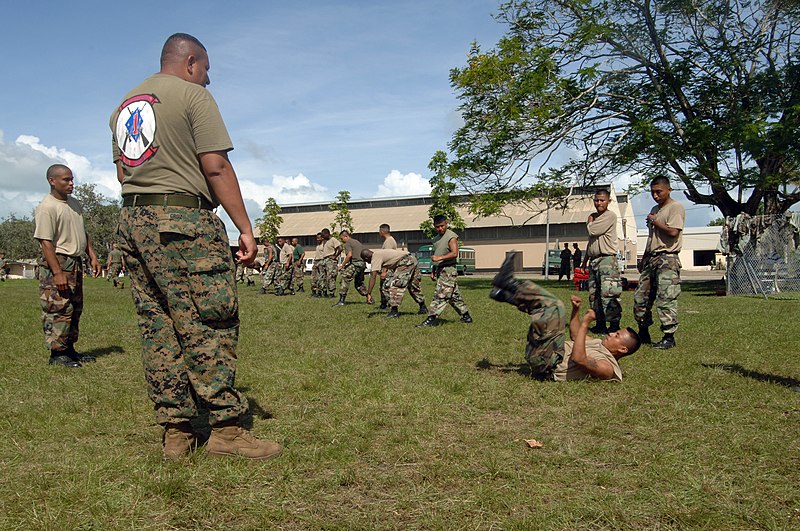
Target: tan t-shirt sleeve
{"x":208,"y":126}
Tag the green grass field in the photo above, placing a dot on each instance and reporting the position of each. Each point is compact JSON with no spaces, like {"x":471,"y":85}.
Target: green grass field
{"x":388,"y":426}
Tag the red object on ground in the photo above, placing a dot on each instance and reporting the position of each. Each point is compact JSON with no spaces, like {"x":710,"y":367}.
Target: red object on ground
{"x":580,"y":276}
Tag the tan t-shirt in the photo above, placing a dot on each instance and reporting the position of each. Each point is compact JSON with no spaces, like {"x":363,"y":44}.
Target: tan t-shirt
{"x":61,"y":222}
{"x":672,"y":215}
{"x":441,"y":246}
{"x":569,"y":370}
{"x":354,"y":246}
{"x":318,"y":252}
{"x":158,"y":132}
{"x":387,"y":258}
{"x":286,"y":253}
{"x":330,"y":246}
{"x":602,"y":235}
{"x":389,"y":243}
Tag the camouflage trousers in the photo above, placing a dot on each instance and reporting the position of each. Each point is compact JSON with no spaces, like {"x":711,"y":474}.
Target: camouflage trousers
{"x":384,"y":291}
{"x":180,"y":268}
{"x":269,"y":275}
{"x":283,"y":278}
{"x":248,"y":275}
{"x":545,"y":347}
{"x":298,"y":275}
{"x":404,"y":276}
{"x":316,"y":285}
{"x":605,"y":287}
{"x":659,"y":284}
{"x":447,"y":292}
{"x":353,"y":271}
{"x":328,"y":269}
{"x":113,"y":273}
{"x":61,"y":311}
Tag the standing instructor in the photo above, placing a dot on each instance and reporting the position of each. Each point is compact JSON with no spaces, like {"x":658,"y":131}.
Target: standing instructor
{"x":170,"y":146}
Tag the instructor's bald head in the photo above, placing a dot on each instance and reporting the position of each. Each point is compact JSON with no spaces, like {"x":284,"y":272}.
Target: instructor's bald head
{"x":184,"y":56}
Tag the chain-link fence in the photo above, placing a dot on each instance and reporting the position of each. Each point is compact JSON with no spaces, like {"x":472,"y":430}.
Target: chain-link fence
{"x":763,"y":255}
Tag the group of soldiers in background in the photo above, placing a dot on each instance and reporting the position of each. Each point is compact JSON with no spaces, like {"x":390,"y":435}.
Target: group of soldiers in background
{"x":284,"y":262}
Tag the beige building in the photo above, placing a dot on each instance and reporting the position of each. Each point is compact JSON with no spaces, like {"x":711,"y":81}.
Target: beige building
{"x":700,"y":249}
{"x":520,"y":229}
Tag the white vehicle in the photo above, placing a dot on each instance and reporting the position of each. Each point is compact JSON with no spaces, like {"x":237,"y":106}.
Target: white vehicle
{"x":309,"y":265}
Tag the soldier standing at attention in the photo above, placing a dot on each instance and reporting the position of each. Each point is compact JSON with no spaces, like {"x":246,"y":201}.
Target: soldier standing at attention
{"x":445,"y":255}
{"x":577,"y":256}
{"x":388,"y":243}
{"x":299,"y":258}
{"x":116,"y":265}
{"x":660,"y":279}
{"x":266,"y":267}
{"x":405,"y":274}
{"x":605,"y":285}
{"x":170,"y":146}
{"x":316,"y":273}
{"x":63,"y":238}
{"x":331,"y":249}
{"x":352,"y":268}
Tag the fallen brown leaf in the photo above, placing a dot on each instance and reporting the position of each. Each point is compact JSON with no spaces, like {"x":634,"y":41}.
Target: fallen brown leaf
{"x":533,"y":443}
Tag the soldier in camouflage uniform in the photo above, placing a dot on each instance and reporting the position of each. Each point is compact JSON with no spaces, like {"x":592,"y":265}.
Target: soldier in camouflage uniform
{"x":63,"y":239}
{"x":445,"y":255}
{"x":298,"y":266}
{"x":549,"y":355}
{"x":170,"y":147}
{"x":331,"y":249}
{"x":316,"y":275}
{"x":269,"y":273}
{"x":605,"y":284}
{"x":115,"y":265}
{"x":388,"y":243}
{"x":239,"y":275}
{"x":3,"y":268}
{"x":405,"y":275}
{"x":352,"y":268}
{"x":660,"y":279}
{"x":283,"y":281}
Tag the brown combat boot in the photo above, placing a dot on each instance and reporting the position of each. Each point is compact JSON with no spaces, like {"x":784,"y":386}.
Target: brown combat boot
{"x":179,"y":440}
{"x":237,"y":441}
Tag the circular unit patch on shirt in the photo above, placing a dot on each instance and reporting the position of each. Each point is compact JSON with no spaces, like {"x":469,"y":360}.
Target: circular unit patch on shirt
{"x":136,"y":129}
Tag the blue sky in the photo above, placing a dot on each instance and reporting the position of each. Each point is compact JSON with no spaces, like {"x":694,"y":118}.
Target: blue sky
{"x":317,"y":96}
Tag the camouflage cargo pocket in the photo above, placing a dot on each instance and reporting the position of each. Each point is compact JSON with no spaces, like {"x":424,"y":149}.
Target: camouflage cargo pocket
{"x":196,"y":240}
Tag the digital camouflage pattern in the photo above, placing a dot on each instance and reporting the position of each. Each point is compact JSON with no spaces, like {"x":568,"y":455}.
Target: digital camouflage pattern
{"x":605,"y":287}
{"x":404,"y":276}
{"x":447,"y":292}
{"x":328,"y":269}
{"x":269,"y":275}
{"x":180,"y":268}
{"x":61,"y":312}
{"x":316,"y":276}
{"x":353,"y":271}
{"x":659,"y":284}
{"x":545,"y":347}
{"x":298,"y":272}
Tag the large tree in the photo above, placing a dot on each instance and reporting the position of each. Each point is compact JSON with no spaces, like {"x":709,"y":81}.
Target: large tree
{"x":16,"y":238}
{"x":100,"y":217}
{"x":704,"y":91}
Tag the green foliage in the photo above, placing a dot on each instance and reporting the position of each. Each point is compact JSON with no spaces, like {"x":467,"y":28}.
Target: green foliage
{"x":705,"y":92}
{"x":442,"y":188}
{"x":100,"y":217}
{"x":717,"y":222}
{"x":16,"y":238}
{"x":342,"y":220}
{"x":411,"y":428}
{"x":269,"y":225}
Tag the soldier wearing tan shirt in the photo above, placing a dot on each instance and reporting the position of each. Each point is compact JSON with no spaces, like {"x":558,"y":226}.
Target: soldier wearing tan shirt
{"x":605,"y":285}
{"x":404,"y":274}
{"x":316,"y":275}
{"x":388,"y":243}
{"x":331,"y":249}
{"x":660,"y":279}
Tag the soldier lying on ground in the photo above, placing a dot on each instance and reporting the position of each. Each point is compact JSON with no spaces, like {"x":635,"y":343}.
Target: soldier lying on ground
{"x":549,"y":355}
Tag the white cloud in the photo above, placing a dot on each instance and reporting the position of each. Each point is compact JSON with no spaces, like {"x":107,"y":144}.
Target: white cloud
{"x":399,"y":184}
{"x":285,"y":190}
{"x":23,"y":164}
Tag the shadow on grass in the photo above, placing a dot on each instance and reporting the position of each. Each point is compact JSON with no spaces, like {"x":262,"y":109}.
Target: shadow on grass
{"x":704,"y":288}
{"x":103,"y":351}
{"x":784,"y":381}
{"x":523,"y":369}
{"x":201,"y":426}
